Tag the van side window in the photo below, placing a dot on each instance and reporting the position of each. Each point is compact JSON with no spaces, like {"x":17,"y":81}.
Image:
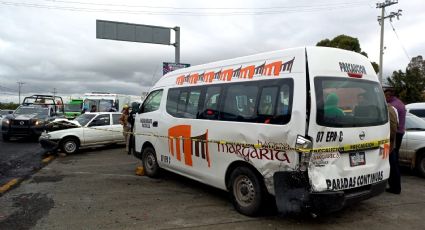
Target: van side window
{"x":210,"y":107}
{"x":152,"y":102}
{"x":267,"y":101}
{"x":183,"y":102}
{"x":239,"y":102}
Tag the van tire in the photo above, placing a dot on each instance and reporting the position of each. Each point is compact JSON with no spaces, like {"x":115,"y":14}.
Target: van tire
{"x":150,"y":163}
{"x":70,"y":145}
{"x":246,"y":190}
{"x":420,"y":165}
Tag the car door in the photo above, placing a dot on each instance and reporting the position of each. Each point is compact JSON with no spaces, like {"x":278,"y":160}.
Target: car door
{"x":117,"y":128}
{"x":148,"y":120}
{"x":99,"y":130}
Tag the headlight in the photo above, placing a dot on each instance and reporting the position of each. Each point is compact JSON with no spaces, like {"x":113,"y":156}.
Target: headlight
{"x":39,"y":122}
{"x":5,"y":121}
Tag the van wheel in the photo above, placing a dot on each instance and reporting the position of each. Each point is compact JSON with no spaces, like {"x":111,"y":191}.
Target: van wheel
{"x":70,"y":145}
{"x":246,"y":191}
{"x":420,"y":165}
{"x":150,"y":164}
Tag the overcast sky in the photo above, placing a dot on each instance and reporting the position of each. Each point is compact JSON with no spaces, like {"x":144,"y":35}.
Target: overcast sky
{"x":50,"y":44}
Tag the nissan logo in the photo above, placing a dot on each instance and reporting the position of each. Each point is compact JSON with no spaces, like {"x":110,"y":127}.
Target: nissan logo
{"x":22,"y":123}
{"x":362,"y":135}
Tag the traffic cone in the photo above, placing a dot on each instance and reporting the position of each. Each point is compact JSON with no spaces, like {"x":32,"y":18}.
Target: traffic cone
{"x":140,"y":171}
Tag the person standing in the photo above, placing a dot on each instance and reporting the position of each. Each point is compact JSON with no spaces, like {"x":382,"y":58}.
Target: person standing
{"x":131,"y":119}
{"x":125,"y":125}
{"x":93,"y":108}
{"x":394,"y":181}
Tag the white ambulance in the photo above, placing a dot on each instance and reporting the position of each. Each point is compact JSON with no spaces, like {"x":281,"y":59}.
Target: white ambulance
{"x":307,"y":127}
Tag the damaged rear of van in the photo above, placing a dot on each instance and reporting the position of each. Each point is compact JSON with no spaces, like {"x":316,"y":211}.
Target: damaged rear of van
{"x":306,"y":126}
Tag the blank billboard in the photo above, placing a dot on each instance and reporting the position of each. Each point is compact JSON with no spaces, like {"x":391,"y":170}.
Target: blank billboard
{"x":132,"y":32}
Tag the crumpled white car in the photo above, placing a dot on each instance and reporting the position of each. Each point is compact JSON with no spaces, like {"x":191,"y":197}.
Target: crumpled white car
{"x":412,"y":149}
{"x":88,"y":129}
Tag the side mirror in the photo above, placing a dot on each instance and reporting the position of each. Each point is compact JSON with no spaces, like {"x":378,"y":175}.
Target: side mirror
{"x":141,"y":109}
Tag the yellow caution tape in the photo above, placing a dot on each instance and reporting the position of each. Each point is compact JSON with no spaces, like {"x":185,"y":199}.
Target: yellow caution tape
{"x":344,"y":148}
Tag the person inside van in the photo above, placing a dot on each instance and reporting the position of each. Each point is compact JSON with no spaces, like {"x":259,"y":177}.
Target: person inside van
{"x":331,"y":106}
{"x":364,"y":108}
{"x":266,"y":107}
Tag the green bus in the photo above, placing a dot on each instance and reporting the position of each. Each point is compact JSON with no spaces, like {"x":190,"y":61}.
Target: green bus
{"x":73,"y":108}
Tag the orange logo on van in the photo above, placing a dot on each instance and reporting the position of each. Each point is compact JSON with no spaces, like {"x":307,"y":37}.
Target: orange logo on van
{"x":180,"y":136}
{"x":265,"y":69}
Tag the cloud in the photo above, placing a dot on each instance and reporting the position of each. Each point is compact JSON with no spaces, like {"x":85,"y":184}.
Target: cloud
{"x":51,"y":48}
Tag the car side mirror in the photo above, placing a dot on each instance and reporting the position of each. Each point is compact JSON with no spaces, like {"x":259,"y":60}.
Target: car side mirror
{"x":141,"y":109}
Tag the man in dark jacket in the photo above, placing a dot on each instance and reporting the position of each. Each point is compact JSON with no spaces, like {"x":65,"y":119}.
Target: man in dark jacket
{"x":131,"y":119}
{"x":394,"y":180}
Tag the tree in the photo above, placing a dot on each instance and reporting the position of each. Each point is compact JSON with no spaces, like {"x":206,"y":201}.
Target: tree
{"x":409,"y":85}
{"x":347,"y":43}
{"x":9,"y":105}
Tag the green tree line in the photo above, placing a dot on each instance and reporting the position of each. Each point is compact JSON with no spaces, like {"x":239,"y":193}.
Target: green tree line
{"x":10,"y":105}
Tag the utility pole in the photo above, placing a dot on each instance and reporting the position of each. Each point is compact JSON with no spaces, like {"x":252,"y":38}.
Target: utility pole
{"x":381,"y":22}
{"x":54,"y":92}
{"x":19,"y":90}
{"x":177,"y":44}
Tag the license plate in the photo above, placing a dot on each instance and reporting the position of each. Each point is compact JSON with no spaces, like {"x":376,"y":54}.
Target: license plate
{"x":357,"y":158}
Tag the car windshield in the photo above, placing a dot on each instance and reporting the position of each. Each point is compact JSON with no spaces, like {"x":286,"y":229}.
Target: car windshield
{"x":83,"y":119}
{"x":39,"y":110}
{"x":73,"y":108}
{"x":414,"y":123}
{"x":348,"y":102}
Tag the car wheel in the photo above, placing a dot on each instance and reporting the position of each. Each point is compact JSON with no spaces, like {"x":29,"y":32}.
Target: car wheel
{"x":246,"y":191}
{"x":6,"y":137}
{"x":420,"y":165}
{"x":150,"y":164}
{"x":70,"y":145}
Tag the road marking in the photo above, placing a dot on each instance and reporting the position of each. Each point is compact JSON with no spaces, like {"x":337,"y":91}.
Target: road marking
{"x":48,"y":159}
{"x":8,"y":185}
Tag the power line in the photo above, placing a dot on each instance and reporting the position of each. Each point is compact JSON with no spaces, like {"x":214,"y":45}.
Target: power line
{"x":205,"y":8}
{"x":270,"y":11}
{"x":402,"y":46}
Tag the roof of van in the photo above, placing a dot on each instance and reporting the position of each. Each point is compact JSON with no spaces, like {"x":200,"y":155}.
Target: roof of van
{"x":327,"y":61}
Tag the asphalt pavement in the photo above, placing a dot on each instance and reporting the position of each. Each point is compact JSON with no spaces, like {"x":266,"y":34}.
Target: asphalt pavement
{"x":19,"y":158}
{"x":98,"y":189}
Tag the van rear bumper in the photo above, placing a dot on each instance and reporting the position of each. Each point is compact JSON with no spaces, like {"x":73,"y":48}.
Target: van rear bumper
{"x":293,"y":194}
{"x":325,"y":202}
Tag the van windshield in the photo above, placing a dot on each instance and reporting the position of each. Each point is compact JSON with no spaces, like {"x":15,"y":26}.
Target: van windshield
{"x":347,"y":102}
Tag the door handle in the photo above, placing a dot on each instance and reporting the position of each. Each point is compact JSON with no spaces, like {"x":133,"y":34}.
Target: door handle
{"x":155,"y":124}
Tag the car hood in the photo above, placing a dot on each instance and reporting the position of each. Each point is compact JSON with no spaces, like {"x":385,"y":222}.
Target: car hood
{"x":416,"y":134}
{"x":61,"y":125}
{"x":23,"y":117}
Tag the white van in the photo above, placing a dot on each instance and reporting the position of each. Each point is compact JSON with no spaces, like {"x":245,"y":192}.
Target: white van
{"x":308,"y":126}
